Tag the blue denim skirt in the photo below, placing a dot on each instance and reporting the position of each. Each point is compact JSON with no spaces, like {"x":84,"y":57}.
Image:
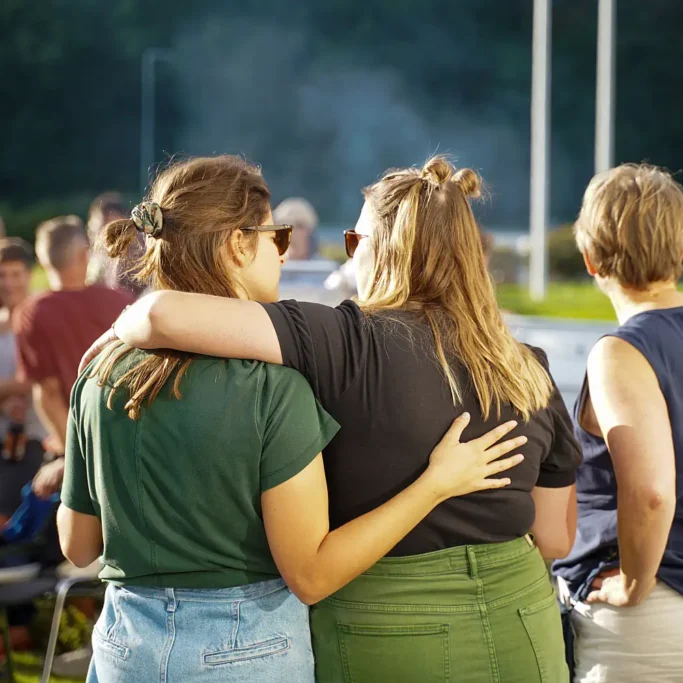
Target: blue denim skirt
{"x":248,"y":634}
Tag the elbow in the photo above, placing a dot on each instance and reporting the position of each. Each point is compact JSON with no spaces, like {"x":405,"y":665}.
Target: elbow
{"x":307,"y":592}
{"x":78,"y":555}
{"x":651,"y":500}
{"x":657,"y":499}
{"x":555,"y":551}
{"x":556,"y":547}
{"x":309,"y":589}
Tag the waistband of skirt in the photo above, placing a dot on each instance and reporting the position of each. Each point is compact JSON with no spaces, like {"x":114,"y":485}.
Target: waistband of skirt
{"x":251,"y":591}
{"x":461,"y":559}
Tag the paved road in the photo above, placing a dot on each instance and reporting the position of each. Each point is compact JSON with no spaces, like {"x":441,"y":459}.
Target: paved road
{"x":567,"y":343}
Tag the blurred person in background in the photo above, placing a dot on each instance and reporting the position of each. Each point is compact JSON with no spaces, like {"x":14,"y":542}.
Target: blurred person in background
{"x":625,"y":572}
{"x":466,"y":594}
{"x":107,"y":207}
{"x":300,"y":214}
{"x":54,"y":328}
{"x":21,"y":432}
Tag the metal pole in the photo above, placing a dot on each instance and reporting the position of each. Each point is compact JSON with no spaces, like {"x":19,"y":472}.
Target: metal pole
{"x":540,"y":147}
{"x":147,"y":112}
{"x":604,"y":90}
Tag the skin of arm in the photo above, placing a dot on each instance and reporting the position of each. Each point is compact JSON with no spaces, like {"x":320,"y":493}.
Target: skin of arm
{"x":316,"y":562}
{"x":554,"y":528}
{"x":51,"y":408}
{"x":80,"y":536}
{"x":197,"y":323}
{"x":634,"y":420}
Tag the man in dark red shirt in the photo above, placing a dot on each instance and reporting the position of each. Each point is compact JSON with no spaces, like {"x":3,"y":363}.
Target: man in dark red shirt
{"x":55,"y":328}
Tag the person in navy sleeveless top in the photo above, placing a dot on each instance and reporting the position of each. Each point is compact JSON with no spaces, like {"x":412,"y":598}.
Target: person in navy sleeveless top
{"x":625,"y":571}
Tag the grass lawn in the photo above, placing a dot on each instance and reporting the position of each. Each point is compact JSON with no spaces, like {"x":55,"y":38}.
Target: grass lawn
{"x":29,"y":666}
{"x":582,"y":300}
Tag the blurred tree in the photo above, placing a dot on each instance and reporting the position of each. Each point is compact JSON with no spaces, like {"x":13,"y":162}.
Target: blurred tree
{"x":70,"y":90}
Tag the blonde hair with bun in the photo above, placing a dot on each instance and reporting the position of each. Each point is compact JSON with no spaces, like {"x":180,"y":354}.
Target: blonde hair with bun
{"x":429,"y":259}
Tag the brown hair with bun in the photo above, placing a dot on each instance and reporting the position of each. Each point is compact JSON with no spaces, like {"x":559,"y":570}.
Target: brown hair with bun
{"x":199,"y":203}
{"x":429,"y":259}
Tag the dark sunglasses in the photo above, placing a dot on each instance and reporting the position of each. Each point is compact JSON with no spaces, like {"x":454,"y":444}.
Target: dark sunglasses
{"x":351,"y":241}
{"x":283,"y":235}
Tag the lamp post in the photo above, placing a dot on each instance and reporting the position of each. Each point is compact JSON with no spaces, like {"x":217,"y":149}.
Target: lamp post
{"x":540,"y":148}
{"x":604,"y":89}
{"x":150,"y":57}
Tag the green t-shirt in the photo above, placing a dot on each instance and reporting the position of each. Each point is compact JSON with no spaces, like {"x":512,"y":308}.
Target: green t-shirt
{"x":178,"y":491}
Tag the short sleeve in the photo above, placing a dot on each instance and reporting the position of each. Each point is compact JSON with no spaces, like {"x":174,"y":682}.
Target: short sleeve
{"x":294,"y":426}
{"x":326,"y":345}
{"x":35,"y":355}
{"x":558,"y":468}
{"x":75,"y":491}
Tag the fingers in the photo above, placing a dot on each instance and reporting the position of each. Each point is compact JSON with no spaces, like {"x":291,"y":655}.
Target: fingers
{"x":595,"y":596}
{"x":505,"y":464}
{"x":458,"y":427}
{"x":495,"y":435}
{"x":486,"y":484}
{"x":496,"y":451}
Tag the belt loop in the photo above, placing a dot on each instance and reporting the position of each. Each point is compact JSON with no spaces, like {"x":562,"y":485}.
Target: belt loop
{"x":170,"y":597}
{"x":472,"y":560}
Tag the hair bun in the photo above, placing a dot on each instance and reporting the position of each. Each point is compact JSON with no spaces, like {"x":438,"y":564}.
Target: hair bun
{"x":469,"y":182}
{"x":437,"y":170}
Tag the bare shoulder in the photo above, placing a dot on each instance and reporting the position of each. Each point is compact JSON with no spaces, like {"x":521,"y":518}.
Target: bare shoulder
{"x":620,"y":377}
{"x":612,"y":354}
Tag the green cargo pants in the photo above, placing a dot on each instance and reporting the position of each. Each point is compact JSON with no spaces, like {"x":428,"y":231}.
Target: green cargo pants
{"x":472,"y":614}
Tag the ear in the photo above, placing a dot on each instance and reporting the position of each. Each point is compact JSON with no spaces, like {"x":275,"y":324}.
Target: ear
{"x":590,"y":268}
{"x":236,"y":247}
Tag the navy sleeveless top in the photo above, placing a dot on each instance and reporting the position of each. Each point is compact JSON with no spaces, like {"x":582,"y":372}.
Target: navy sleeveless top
{"x":658,"y":335}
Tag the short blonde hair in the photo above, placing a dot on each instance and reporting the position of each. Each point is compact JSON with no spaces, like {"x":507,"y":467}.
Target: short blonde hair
{"x":631,"y":225}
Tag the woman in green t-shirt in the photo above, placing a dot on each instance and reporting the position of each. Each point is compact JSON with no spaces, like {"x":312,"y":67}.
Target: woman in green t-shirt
{"x":199,"y":480}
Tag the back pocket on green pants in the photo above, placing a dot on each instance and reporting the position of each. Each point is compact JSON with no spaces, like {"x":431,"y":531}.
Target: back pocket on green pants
{"x":400,"y":654}
{"x":544,"y":628}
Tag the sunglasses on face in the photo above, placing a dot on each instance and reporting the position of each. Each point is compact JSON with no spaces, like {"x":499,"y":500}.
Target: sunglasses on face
{"x":351,"y":241}
{"x":283,"y":235}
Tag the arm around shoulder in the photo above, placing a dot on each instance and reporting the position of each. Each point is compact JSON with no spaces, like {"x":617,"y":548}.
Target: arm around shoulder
{"x":199,"y":323}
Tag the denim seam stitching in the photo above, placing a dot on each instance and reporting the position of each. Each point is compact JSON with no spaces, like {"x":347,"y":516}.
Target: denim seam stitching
{"x":170,"y":640}
{"x":488,"y":635}
{"x":281,"y":641}
{"x":422,"y":609}
{"x":111,"y":633}
{"x":524,"y":612}
{"x":236,"y":610}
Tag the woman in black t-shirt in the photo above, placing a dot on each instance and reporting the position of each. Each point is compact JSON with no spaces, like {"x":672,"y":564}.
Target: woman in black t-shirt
{"x":467,"y":590}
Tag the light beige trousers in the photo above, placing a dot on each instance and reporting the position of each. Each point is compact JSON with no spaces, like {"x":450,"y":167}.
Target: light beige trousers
{"x":642,"y":644}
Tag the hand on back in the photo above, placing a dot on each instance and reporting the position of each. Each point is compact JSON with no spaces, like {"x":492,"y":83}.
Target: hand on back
{"x":460,"y":467}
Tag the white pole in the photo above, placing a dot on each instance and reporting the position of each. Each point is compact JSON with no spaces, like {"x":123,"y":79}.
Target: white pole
{"x":604,"y":90}
{"x":540,"y":148}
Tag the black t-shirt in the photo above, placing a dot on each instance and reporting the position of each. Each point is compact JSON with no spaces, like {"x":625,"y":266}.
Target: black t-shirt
{"x":379,"y":378}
